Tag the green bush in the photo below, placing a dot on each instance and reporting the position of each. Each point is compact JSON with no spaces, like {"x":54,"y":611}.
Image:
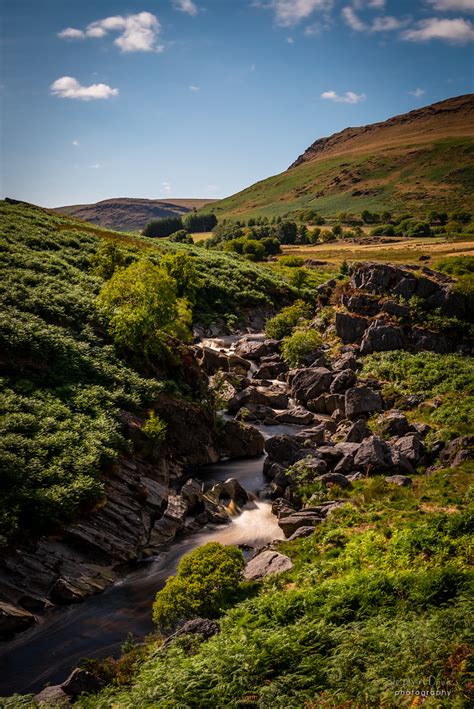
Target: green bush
{"x":155,"y":428}
{"x":456,"y":265}
{"x":291,"y":261}
{"x":181,"y":237}
{"x":206,"y":581}
{"x":283,"y":323}
{"x":299,"y":345}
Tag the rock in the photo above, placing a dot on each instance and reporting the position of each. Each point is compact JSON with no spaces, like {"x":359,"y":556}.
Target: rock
{"x":258,"y":395}
{"x":357,"y":432}
{"x":79,"y":682}
{"x":432,"y":341}
{"x":400,"y":480}
{"x":355,"y":476}
{"x":345,"y":361}
{"x":13,"y":619}
{"x":213,"y":361}
{"x":346,"y":462}
{"x":422,"y":429}
{"x":282,"y":448}
{"x":458,"y":450}
{"x":343,"y":381}
{"x":228,"y":490}
{"x":308,"y":517}
{"x":381,"y":336}
{"x":362,"y":400}
{"x":301,"y":532}
{"x":334,"y":479}
{"x":255,"y":412}
{"x":265,"y":564}
{"x":239,"y":440}
{"x":307,"y":384}
{"x":311,"y":465}
{"x":238,"y":364}
{"x":391,"y":307}
{"x":330,"y":453}
{"x":411,"y":447}
{"x":327,"y":404}
{"x":317,"y":434}
{"x":53,"y":696}
{"x":202,"y":627}
{"x":361,"y":304}
{"x":254,"y":350}
{"x":191,"y":492}
{"x":271,"y":370}
{"x":373,"y":455}
{"x":297,"y":415}
{"x":394,"y":423}
{"x":350,"y":328}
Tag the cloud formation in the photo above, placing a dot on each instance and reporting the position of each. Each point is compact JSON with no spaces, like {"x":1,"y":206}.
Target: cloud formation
{"x":382,"y":23}
{"x":457,"y":31}
{"x":68,"y":87}
{"x":447,"y":5}
{"x":348,"y":97}
{"x":417,"y":93}
{"x":137,"y":33}
{"x":290,"y":12}
{"x":194,"y":88}
{"x":187,"y":6}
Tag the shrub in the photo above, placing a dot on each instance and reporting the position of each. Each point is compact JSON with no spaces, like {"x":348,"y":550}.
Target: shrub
{"x":163,"y":227}
{"x":155,"y":428}
{"x":284,"y":322}
{"x":206,"y":581}
{"x":181,"y":237}
{"x":456,"y":265}
{"x":141,"y":307}
{"x":291,"y":261}
{"x":297,"y":346}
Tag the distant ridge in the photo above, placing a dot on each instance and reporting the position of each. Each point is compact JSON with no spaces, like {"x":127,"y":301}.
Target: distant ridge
{"x":131,"y":214}
{"x":413,"y":162}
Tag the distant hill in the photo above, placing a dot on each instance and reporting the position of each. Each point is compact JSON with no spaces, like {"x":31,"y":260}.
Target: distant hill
{"x":129,"y":214}
{"x":410,"y":163}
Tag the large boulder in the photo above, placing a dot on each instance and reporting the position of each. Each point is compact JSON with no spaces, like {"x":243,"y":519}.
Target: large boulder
{"x":362,"y":400}
{"x":422,"y":339}
{"x":308,"y":384}
{"x":79,"y":682}
{"x":410,"y":447}
{"x":239,"y":440}
{"x":394,"y":423}
{"x":254,"y":350}
{"x":350,"y":328}
{"x":297,"y":415}
{"x":458,"y":451}
{"x":307,"y":517}
{"x":14,"y":619}
{"x":346,"y":361}
{"x":265,"y":564}
{"x":343,"y":381}
{"x":373,"y":456}
{"x":258,"y":395}
{"x":381,"y":336}
{"x":212,"y":360}
{"x":201,"y":628}
{"x":271,"y":370}
{"x":357,"y":432}
{"x":282,"y":449}
{"x":53,"y":696}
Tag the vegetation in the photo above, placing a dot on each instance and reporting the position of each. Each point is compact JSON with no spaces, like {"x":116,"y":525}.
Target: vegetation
{"x":163,"y":227}
{"x":300,"y":345}
{"x":283,"y":323}
{"x":195,"y":223}
{"x":206,"y":581}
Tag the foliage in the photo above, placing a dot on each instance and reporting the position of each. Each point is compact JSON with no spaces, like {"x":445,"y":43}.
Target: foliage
{"x":141,"y":307}
{"x":299,"y":345}
{"x":283,"y":323}
{"x":181,"y":237}
{"x":292,"y":261}
{"x":456,"y":265}
{"x":163,"y":227}
{"x":155,"y":428}
{"x":196,"y":223}
{"x":207,"y":579}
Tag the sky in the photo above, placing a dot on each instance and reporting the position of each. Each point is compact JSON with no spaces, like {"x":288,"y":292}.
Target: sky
{"x":201,"y":98}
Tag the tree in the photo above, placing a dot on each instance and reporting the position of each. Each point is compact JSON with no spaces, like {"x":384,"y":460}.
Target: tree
{"x":420,"y":229}
{"x":337,"y":230}
{"x":181,"y":237}
{"x":196,"y":223}
{"x":107,"y":259}
{"x":141,"y":307}
{"x":206,"y":581}
{"x":254,"y":250}
{"x":182,"y":269}
{"x":286,"y":232}
{"x":163,"y":227}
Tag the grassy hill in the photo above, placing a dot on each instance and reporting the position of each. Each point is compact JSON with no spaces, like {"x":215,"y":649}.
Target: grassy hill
{"x":415,"y":162}
{"x":130,"y":214}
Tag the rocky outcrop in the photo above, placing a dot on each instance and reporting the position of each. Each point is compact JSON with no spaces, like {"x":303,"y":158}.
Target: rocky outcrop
{"x":265,"y":564}
{"x":201,"y":628}
{"x":239,"y":440}
{"x":308,"y":384}
{"x":362,"y":400}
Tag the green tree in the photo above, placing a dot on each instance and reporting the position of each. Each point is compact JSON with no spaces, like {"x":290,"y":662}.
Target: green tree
{"x":206,"y":582}
{"x":163,"y":227}
{"x":107,"y":258}
{"x":141,"y":307}
{"x":299,"y":345}
{"x":196,"y":223}
{"x":181,"y":237}
{"x":181,"y":267}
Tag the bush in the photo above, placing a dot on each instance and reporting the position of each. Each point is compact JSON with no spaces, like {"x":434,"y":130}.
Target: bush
{"x":163,"y":227}
{"x":142,"y":310}
{"x":456,"y":265}
{"x":206,"y":581}
{"x":155,"y":428}
{"x":297,"y":346}
{"x":181,"y":237}
{"x":291,"y":261}
{"x":284,"y":322}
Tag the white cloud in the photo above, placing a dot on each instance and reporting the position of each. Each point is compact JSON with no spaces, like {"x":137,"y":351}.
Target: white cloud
{"x":463,"y":5}
{"x":187,"y":6}
{"x":375,"y":4}
{"x":417,"y":93}
{"x":165,"y":187}
{"x":68,"y":87}
{"x":348,"y":97}
{"x":194,"y":88}
{"x":138,"y":33}
{"x":290,"y":12}
{"x":76,"y":143}
{"x":386,"y":23}
{"x":457,"y":31}
{"x":290,"y":40}
{"x":351,"y":19}
{"x":95,"y":166}
{"x":71,"y":33}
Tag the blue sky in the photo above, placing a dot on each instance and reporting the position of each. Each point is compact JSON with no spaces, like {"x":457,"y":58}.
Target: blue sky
{"x":201,"y":98}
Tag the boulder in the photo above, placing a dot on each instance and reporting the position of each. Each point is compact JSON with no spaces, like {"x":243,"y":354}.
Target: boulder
{"x":297,"y":415}
{"x":391,"y":307}
{"x":422,"y":339}
{"x":362,"y":400}
{"x":350,"y":328}
{"x":258,"y":395}
{"x":357,"y":432}
{"x":400,"y":480}
{"x":373,"y":455}
{"x":301,"y":532}
{"x":282,"y":449}
{"x":271,"y":370}
{"x":458,"y":450}
{"x":410,"y":447}
{"x":239,"y":440}
{"x":14,"y":619}
{"x":346,"y":361}
{"x":334,"y":479}
{"x":343,"y":381}
{"x":394,"y":423}
{"x":254,"y":350}
{"x":311,"y":465}
{"x":53,"y":696}
{"x":307,"y":517}
{"x":238,"y":364}
{"x":255,"y":412}
{"x":265,"y":564}
{"x":327,"y":404}
{"x":381,"y":336}
{"x":79,"y":682}
{"x":346,"y":463}
{"x":317,"y":434}
{"x":308,"y":384}
{"x":213,"y":361}
{"x":230,"y":489}
{"x":199,"y":627}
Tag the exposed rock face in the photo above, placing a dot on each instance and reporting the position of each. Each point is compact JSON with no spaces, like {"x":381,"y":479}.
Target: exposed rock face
{"x":202,"y":627}
{"x":14,"y":619}
{"x":267,"y":563}
{"x":307,"y":517}
{"x":258,"y":395}
{"x":380,"y":336}
{"x":308,"y":384}
{"x":362,"y":400}
{"x":239,"y":440}
{"x":350,"y":328}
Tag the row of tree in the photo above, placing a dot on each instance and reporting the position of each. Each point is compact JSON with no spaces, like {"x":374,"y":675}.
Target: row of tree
{"x":192,"y":223}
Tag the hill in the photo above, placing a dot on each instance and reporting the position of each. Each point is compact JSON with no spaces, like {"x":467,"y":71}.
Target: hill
{"x":414,"y":162}
{"x":130,"y":214}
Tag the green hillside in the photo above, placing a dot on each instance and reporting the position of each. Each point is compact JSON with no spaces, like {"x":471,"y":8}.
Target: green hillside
{"x":410,"y":164}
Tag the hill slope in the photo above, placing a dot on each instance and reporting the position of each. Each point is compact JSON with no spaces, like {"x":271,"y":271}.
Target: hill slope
{"x":129,"y":214}
{"x":413,"y":162}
